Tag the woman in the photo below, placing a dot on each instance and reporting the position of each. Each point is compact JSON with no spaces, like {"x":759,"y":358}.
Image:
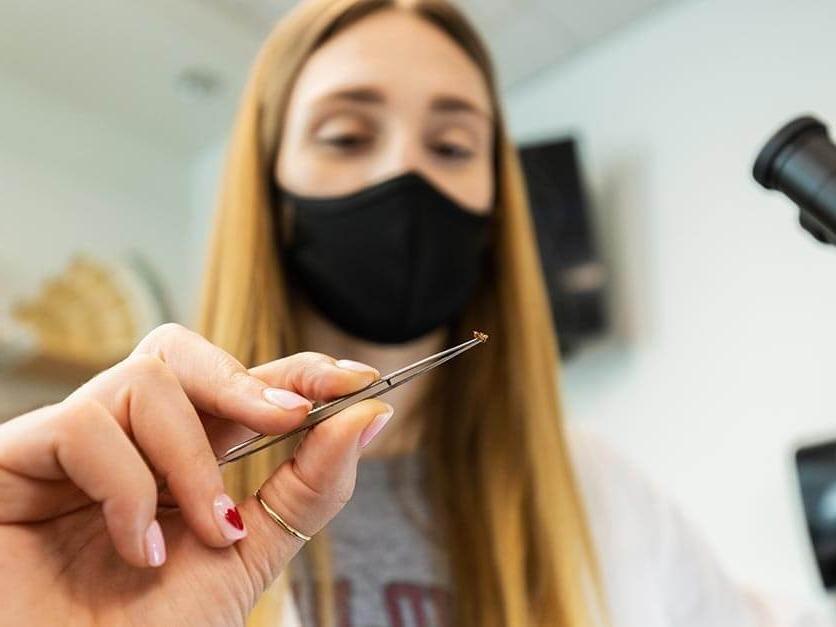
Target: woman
{"x":372,"y":208}
{"x":389,"y":111}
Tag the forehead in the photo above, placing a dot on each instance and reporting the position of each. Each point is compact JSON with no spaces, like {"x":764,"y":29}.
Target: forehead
{"x":400,"y":53}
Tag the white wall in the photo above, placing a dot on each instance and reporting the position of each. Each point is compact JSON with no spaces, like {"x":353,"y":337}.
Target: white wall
{"x":203,"y":189}
{"x":71,"y":182}
{"x":726,"y":348}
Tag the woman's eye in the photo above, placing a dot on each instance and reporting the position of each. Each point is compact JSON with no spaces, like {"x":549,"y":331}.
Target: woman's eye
{"x":452,"y":151}
{"x":347,"y":141}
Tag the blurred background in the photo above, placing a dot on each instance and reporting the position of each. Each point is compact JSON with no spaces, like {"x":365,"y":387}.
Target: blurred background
{"x":698,"y":317}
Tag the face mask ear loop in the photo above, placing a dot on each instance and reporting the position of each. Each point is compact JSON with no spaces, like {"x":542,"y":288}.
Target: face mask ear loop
{"x":492,"y":239}
{"x":287,"y":211}
{"x":283,"y":212}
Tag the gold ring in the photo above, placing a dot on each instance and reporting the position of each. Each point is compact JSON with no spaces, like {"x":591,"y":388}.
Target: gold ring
{"x":279,"y":520}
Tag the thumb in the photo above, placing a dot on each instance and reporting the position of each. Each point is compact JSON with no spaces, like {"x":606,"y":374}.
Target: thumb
{"x":308,"y":489}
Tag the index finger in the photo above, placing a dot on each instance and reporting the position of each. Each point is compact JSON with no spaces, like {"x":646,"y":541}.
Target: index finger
{"x":218,"y":384}
{"x":316,"y":376}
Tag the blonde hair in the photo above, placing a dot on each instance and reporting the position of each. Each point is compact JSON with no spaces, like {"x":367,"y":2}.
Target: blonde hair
{"x":501,"y":480}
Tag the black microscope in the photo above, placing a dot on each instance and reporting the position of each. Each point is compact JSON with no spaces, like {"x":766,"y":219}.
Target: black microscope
{"x":800,"y":161}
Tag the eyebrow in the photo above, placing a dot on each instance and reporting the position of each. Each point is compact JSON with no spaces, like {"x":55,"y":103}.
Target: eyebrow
{"x":455,"y":104}
{"x":441,"y":104}
{"x":361,"y":95}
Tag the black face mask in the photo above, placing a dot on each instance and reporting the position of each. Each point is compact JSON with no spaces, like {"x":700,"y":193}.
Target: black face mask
{"x":389,"y":263}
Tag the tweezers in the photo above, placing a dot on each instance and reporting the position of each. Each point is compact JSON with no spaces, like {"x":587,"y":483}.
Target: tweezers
{"x":373,"y":390}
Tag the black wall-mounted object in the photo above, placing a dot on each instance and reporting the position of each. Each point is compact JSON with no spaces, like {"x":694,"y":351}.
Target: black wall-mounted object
{"x":800,"y":161}
{"x":574,"y":274}
{"x":816,"y":467}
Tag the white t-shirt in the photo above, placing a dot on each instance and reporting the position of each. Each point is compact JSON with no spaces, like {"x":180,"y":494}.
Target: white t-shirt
{"x":657,"y":571}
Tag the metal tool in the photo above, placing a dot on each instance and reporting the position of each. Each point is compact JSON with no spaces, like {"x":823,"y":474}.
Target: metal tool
{"x":373,"y":390}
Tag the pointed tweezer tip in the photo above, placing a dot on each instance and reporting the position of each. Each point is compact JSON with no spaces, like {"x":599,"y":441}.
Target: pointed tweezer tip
{"x":482,"y":337}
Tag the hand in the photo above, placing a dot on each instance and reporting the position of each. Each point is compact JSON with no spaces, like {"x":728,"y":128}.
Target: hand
{"x":81,"y":522}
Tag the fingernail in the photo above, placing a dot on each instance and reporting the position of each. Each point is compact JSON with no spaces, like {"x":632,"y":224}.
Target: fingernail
{"x":356,"y":366}
{"x":286,"y":399}
{"x":228,"y":518}
{"x":154,"y":545}
{"x":375,"y":427}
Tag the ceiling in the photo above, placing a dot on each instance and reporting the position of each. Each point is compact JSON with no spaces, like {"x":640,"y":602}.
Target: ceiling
{"x":171,"y":70}
{"x":524,"y":35}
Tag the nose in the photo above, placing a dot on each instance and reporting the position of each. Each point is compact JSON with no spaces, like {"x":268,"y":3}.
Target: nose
{"x":404,"y":155}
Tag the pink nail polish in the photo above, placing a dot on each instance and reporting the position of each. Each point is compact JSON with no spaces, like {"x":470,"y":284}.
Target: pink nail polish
{"x":356,"y":366}
{"x":286,"y":399}
{"x":154,"y":545}
{"x":375,"y":427}
{"x":228,"y":518}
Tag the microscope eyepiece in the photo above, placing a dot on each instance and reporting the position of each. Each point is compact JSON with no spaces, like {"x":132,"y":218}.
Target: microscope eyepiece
{"x":800,"y":161}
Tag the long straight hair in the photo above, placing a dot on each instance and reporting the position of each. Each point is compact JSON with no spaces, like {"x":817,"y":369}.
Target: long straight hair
{"x":500,"y":478}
